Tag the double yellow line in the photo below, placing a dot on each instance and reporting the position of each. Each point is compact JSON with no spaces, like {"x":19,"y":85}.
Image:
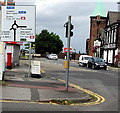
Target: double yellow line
{"x":99,"y":98}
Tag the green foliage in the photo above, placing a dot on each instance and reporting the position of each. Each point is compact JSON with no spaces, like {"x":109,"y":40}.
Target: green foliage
{"x":48,"y":42}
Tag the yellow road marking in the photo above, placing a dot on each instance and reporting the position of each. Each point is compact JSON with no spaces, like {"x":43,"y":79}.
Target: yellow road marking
{"x":99,"y":100}
{"x":31,"y":102}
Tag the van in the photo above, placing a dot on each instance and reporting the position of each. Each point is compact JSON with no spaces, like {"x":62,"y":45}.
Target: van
{"x":83,"y":60}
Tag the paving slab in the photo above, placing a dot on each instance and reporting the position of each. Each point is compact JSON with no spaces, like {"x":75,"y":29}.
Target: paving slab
{"x":20,"y":87}
{"x":15,"y":93}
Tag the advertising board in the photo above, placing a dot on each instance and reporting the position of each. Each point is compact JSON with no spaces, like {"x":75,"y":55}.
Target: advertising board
{"x":35,"y":67}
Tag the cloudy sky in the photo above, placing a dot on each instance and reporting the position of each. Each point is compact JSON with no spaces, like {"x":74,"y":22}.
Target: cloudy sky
{"x":52,"y":14}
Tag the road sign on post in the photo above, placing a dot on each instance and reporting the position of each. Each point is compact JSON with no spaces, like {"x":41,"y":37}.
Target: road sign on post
{"x":18,"y":23}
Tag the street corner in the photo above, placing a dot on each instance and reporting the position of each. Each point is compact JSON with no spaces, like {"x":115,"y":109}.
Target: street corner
{"x":81,"y":96}
{"x":57,"y":93}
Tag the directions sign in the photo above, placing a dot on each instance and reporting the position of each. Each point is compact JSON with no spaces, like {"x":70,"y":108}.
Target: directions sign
{"x":18,"y":23}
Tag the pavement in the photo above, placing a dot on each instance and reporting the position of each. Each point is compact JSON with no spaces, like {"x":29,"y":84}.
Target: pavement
{"x":21,"y":87}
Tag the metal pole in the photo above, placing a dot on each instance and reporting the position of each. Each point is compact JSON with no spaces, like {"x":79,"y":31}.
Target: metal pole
{"x":68,"y":52}
{"x":29,"y":73}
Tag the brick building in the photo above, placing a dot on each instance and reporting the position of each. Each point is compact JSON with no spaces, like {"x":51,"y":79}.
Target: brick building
{"x":96,"y":23}
{"x":104,"y":38}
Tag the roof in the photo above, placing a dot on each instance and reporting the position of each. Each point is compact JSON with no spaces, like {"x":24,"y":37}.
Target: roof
{"x":113,"y":16}
{"x":102,"y":17}
{"x":99,"y":10}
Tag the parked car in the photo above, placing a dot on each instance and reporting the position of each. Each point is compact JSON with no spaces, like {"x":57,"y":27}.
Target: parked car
{"x":52,"y":56}
{"x":96,"y":63}
{"x":83,"y":60}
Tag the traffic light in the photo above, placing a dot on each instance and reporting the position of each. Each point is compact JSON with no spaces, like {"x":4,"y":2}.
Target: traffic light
{"x":71,"y":27}
{"x":66,"y":33}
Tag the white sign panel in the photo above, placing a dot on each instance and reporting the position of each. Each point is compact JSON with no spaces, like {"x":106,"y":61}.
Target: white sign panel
{"x":18,"y":23}
{"x":35,"y":67}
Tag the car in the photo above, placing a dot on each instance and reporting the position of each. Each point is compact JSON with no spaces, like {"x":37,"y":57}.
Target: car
{"x":52,"y":56}
{"x":83,"y":60}
{"x":96,"y":63}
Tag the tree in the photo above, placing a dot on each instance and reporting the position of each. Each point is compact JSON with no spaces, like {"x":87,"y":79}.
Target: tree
{"x":48,"y":42}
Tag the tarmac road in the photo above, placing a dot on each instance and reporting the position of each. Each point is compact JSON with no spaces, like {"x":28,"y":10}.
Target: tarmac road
{"x":102,"y":82}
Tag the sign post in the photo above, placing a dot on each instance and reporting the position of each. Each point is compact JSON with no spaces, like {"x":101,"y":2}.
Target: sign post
{"x":29,"y":73}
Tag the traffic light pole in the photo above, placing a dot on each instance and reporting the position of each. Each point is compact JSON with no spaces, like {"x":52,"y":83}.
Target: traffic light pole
{"x":68,"y":53}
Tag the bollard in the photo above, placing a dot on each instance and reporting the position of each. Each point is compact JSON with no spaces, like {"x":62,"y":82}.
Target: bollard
{"x":65,"y":64}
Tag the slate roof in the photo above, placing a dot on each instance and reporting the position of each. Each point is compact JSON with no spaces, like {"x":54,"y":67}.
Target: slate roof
{"x":113,"y":16}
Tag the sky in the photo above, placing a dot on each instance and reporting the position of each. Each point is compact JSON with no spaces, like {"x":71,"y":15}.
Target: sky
{"x":53,"y":14}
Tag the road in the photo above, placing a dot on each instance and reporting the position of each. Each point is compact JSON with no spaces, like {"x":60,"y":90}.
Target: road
{"x":103,"y":82}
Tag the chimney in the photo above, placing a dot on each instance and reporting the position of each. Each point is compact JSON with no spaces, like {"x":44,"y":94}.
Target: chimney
{"x":119,"y":11}
{"x":98,"y":17}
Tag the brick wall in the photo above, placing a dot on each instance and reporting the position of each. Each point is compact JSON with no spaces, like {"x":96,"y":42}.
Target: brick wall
{"x":96,"y":23}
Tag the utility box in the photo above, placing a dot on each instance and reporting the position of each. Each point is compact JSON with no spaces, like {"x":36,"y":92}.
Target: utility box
{"x":35,"y":68}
